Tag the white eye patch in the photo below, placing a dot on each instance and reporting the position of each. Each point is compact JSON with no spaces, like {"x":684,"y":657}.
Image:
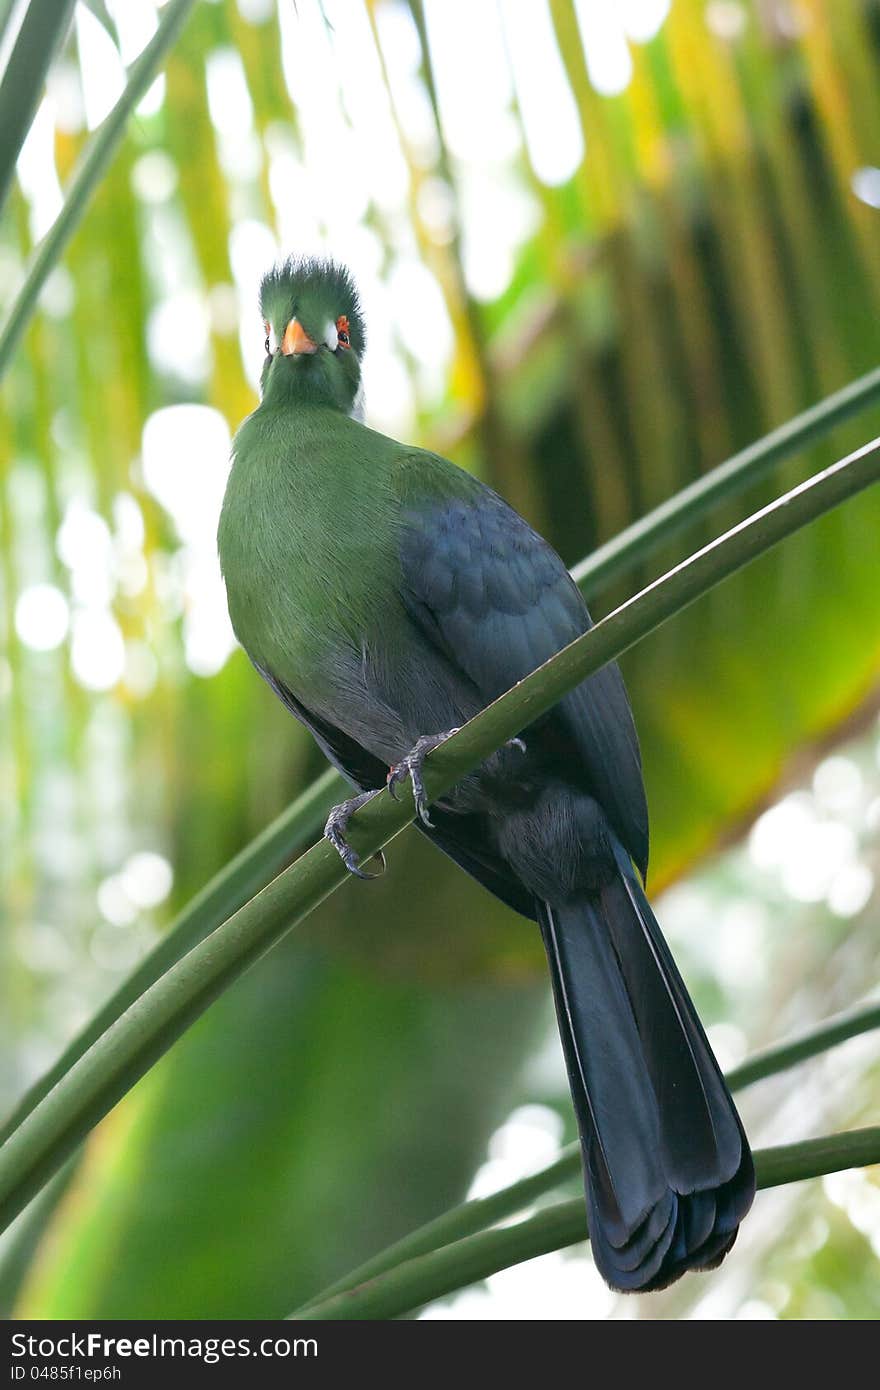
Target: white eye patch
{"x":331,"y":337}
{"x":271,"y":338}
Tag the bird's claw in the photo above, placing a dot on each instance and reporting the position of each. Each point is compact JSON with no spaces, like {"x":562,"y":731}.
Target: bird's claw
{"x":411,"y":767}
{"x":334,"y":831}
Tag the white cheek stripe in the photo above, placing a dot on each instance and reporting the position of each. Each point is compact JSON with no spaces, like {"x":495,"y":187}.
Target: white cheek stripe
{"x":331,"y":337}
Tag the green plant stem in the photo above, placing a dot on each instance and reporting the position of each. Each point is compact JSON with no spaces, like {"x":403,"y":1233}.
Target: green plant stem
{"x":739,"y":472}
{"x":227,"y":891}
{"x":460,"y":1222}
{"x":88,"y":173}
{"x":813,"y":1158}
{"x":122,"y":1055}
{"x":443,"y":1271}
{"x":808,"y":1044}
{"x":42,"y":31}
{"x":482,"y":1212}
{"x":451,"y":1267}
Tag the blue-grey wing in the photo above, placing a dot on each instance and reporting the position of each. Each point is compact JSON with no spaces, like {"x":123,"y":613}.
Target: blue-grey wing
{"x":498,"y":601}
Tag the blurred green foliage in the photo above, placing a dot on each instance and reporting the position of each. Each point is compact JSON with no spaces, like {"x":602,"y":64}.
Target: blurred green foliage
{"x":708,"y":266}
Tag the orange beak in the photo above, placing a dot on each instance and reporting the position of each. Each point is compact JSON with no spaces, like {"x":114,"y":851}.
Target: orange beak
{"x":297,"y":340}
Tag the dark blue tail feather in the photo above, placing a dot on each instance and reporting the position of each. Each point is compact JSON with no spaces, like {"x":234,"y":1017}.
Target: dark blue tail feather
{"x":668,"y":1170}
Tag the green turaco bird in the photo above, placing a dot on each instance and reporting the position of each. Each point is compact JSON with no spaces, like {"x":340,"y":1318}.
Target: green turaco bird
{"x":387,"y":596}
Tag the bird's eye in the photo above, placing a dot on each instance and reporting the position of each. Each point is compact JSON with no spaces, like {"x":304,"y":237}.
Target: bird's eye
{"x":270,"y":338}
{"x":343,"y":336}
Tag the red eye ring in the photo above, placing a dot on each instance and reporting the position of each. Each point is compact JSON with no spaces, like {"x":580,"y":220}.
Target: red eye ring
{"x":343,"y":336}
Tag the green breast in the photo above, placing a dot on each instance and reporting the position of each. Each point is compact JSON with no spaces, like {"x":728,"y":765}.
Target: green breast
{"x":308,"y":542}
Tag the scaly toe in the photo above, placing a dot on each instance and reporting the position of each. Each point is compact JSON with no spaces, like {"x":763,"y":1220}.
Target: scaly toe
{"x":420,"y":796}
{"x":411,"y":766}
{"x":397,"y":775}
{"x":352,"y":864}
{"x":334,"y":832}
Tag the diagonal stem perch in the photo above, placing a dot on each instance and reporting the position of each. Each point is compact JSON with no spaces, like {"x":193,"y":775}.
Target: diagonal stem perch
{"x":123,"y":1054}
{"x":256,"y":863}
{"x":411,"y":1285}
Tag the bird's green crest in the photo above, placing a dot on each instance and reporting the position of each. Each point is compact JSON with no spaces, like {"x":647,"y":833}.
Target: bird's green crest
{"x":314,"y":332}
{"x":315,"y":290}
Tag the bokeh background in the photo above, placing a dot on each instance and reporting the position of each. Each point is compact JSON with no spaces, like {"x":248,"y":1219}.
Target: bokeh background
{"x":600,"y":247}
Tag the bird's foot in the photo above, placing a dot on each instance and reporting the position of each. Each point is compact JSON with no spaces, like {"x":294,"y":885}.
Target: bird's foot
{"x":334,"y":831}
{"x":411,"y":767}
